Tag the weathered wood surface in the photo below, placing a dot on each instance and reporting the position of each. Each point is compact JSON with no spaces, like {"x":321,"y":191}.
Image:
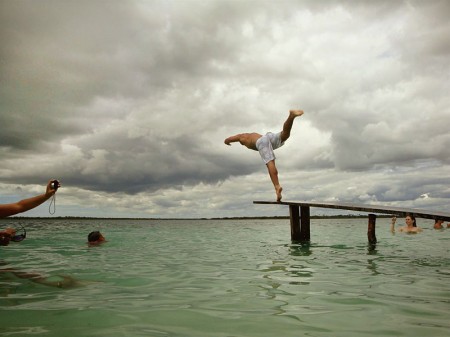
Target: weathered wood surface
{"x":398,"y":211}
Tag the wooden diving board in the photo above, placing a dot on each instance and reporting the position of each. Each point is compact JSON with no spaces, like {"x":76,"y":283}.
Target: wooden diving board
{"x":300,"y":215}
{"x":398,"y":211}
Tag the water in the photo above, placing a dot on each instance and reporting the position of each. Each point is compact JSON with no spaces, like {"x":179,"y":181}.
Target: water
{"x":223,"y":278}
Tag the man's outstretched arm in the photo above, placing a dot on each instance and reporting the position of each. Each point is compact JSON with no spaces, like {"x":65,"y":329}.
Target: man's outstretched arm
{"x":232,"y":139}
{"x":27,"y":204}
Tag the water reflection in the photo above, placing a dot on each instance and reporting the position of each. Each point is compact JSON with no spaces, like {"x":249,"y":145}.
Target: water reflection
{"x":373,"y":266}
{"x":300,"y":249}
{"x":372,"y":249}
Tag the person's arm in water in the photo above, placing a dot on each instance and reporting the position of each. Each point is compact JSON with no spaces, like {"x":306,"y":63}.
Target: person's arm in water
{"x":62,"y":281}
{"x":27,"y":204}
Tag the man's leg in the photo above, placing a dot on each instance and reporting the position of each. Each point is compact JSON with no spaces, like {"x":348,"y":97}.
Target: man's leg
{"x":287,"y":126}
{"x":273,"y":173}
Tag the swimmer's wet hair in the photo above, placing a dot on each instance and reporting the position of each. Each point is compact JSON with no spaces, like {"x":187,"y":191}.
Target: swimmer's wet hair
{"x":94,"y":236}
{"x":413,"y":218}
{"x":5,"y":238}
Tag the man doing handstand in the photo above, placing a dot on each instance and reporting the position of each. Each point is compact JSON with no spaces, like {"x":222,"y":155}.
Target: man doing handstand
{"x":266,"y":144}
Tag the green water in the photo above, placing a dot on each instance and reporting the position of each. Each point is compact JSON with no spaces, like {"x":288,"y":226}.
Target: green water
{"x":223,"y":278}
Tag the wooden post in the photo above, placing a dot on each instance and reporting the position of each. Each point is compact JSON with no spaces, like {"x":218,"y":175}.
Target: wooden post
{"x":305,"y":234}
{"x":295,"y":222}
{"x":371,"y":229}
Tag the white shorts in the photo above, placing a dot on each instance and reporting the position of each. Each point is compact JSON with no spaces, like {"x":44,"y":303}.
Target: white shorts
{"x":267,"y":143}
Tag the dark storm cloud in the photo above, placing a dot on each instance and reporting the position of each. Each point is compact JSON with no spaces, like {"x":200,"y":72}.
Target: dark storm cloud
{"x":140,"y":164}
{"x":67,"y":64}
{"x":137,"y":97}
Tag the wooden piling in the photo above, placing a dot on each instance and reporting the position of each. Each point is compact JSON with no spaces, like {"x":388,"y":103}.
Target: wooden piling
{"x":371,"y":229}
{"x":305,"y":235}
{"x":300,"y":223}
{"x":295,"y":222}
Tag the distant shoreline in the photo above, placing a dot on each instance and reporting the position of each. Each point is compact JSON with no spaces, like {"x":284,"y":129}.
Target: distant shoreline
{"x":346,"y":216}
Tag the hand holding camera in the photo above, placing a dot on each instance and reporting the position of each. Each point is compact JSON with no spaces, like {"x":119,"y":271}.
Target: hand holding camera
{"x":55,"y":185}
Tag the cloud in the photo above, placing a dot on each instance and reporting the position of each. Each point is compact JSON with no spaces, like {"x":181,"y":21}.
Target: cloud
{"x":133,"y":100}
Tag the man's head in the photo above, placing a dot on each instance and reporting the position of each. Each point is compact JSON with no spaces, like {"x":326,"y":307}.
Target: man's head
{"x":438,"y":224}
{"x":95,"y":237}
{"x":6,"y":236}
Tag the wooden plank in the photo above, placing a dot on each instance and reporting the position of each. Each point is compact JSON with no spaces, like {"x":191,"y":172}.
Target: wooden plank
{"x":398,"y":211}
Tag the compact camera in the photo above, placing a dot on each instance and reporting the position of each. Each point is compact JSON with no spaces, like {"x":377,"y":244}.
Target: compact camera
{"x":55,"y":184}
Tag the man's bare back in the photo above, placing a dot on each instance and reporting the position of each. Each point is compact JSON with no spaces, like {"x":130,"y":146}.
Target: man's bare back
{"x":249,"y":140}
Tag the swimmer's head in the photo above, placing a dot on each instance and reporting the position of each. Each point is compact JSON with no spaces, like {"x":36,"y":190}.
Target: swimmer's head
{"x":95,"y":237}
{"x":5,"y":238}
{"x":412,"y":219}
{"x":438,"y":224}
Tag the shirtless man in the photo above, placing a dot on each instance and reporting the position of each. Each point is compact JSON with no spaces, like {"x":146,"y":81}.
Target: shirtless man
{"x":438,"y":224}
{"x":266,"y":144}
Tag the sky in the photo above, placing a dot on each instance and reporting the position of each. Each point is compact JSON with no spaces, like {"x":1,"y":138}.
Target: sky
{"x":128,"y":104}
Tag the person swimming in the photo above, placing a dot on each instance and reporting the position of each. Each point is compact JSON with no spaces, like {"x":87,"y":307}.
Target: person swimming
{"x":95,"y":238}
{"x":411,"y":226}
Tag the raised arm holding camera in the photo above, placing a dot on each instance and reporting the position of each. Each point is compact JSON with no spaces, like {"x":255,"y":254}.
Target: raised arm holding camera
{"x":23,"y":206}
{"x":30,"y":203}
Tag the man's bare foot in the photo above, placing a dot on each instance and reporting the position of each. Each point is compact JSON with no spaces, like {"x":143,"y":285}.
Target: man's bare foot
{"x":296,"y":113}
{"x":278,"y":191}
